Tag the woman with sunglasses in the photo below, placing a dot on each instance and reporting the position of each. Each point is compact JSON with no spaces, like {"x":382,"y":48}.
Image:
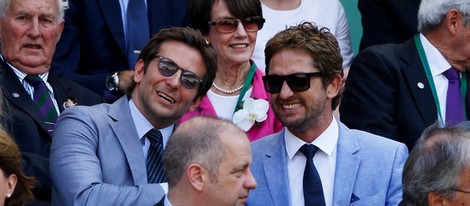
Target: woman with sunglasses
{"x":237,"y":93}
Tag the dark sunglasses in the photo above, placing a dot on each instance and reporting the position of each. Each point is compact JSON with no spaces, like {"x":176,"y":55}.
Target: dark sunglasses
{"x":297,"y":82}
{"x":168,"y":67}
{"x":230,"y":24}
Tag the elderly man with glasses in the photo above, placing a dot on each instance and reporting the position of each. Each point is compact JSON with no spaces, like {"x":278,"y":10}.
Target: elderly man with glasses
{"x":315,"y":159}
{"x":110,"y":154}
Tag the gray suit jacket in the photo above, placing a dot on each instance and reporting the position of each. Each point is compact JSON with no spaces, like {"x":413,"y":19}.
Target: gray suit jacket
{"x":368,"y":170}
{"x":97,"y":159}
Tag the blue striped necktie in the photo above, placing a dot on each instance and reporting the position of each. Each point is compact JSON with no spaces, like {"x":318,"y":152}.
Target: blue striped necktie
{"x":155,"y":173}
{"x":43,"y":101}
{"x":313,"y":190}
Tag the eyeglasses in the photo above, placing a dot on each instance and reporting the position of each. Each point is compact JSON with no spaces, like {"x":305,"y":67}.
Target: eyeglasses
{"x":168,"y":67}
{"x":230,"y":24}
{"x":459,"y":190}
{"x":297,"y":82}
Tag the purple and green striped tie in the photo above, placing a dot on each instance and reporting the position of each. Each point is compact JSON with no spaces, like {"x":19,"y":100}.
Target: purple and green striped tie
{"x":43,"y":101}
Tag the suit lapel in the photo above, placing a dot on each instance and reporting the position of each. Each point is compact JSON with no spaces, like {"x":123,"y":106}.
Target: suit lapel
{"x":60,"y":92}
{"x":414,"y":74}
{"x":114,"y":21}
{"x":275,"y":169}
{"x":125,"y":132}
{"x":18,"y":97}
{"x":347,"y":165}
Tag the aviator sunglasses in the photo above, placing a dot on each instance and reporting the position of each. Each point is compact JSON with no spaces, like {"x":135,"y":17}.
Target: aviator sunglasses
{"x":168,"y":67}
{"x":297,"y":82}
{"x":230,"y":24}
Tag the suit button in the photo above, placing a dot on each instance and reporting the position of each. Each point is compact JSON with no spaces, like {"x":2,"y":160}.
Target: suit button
{"x":47,"y":146}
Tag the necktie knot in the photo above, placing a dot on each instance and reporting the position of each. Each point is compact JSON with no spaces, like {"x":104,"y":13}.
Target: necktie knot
{"x":451,"y":74}
{"x":154,"y":136}
{"x":308,"y":150}
{"x":34,"y":80}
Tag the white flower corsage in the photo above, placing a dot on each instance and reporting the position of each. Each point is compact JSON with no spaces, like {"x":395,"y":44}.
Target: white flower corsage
{"x":252,"y":111}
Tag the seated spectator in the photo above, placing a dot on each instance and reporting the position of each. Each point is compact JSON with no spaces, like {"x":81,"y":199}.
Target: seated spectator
{"x":315,"y":159}
{"x":29,"y":33}
{"x":207,"y":162}
{"x":237,"y":93}
{"x":397,"y":90}
{"x":437,"y":171}
{"x":15,"y":187}
{"x":110,"y":154}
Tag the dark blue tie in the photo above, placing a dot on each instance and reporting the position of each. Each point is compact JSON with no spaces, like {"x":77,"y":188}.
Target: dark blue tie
{"x":313,"y":191}
{"x":137,"y":29}
{"x":155,"y":173}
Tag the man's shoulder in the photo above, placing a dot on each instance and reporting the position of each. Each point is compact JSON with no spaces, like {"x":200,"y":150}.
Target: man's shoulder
{"x":370,"y":141}
{"x":367,"y":139}
{"x":271,"y":140}
{"x":75,"y":90}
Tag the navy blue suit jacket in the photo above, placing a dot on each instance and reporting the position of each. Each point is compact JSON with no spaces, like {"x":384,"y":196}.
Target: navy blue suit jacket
{"x":26,"y":126}
{"x":92,"y":44}
{"x":387,"y":93}
{"x":387,"y":21}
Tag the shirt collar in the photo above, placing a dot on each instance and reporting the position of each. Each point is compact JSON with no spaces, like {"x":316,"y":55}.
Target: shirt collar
{"x":326,"y":142}
{"x":436,"y":61}
{"x":142,"y":125}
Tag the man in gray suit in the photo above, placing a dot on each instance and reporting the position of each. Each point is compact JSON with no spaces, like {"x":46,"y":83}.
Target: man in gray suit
{"x":207,"y":162}
{"x":99,"y":153}
{"x":344,"y":166}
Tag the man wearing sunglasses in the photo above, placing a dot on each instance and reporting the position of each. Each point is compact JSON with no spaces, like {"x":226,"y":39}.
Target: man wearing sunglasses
{"x":316,"y":160}
{"x":110,"y":154}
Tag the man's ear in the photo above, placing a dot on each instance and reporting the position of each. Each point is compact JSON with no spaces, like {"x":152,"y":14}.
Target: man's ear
{"x":451,"y":20}
{"x":196,"y":176}
{"x":435,"y":199}
{"x":334,"y":87}
{"x":139,"y":71}
{"x":195,"y":104}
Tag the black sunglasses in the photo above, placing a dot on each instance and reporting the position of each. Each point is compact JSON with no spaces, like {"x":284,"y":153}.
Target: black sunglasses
{"x":168,"y":67}
{"x":297,"y":82}
{"x":230,"y":24}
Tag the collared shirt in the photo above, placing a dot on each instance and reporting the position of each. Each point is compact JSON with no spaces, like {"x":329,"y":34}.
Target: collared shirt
{"x":167,"y":201}
{"x":324,"y":160}
{"x":29,"y":88}
{"x":142,"y":125}
{"x":437,"y":64}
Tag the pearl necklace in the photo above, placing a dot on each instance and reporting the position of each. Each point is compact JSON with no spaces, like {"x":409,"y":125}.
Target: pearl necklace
{"x":227,"y":91}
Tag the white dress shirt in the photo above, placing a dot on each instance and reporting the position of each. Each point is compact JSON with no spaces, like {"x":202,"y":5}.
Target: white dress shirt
{"x":437,"y":64}
{"x":324,"y":160}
